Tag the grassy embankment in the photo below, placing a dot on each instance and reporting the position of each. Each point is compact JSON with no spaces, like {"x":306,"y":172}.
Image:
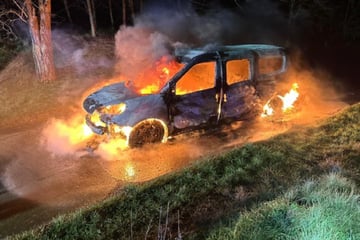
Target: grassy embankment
{"x":7,"y":52}
{"x":24,"y":100}
{"x":264,"y":190}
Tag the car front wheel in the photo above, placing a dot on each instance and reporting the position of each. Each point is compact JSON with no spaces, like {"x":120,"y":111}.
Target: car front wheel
{"x":148,"y":131}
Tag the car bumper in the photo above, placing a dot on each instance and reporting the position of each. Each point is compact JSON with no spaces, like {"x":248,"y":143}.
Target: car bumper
{"x":96,"y":129}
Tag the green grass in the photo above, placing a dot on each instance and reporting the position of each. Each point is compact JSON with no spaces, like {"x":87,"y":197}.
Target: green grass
{"x":214,"y":191}
{"x":325,"y":209}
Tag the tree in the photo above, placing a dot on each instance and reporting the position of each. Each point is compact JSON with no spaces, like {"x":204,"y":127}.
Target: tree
{"x":66,"y":5}
{"x":124,"y":12}
{"x":340,"y":19}
{"x":92,"y":16}
{"x":37,"y":14}
{"x":111,"y":14}
{"x":39,"y":21}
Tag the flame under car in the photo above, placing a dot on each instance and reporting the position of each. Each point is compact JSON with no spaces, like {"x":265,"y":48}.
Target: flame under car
{"x":212,"y":86}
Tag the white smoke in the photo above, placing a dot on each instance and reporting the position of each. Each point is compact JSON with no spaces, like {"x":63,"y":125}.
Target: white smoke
{"x":138,"y":48}
{"x":72,"y":50}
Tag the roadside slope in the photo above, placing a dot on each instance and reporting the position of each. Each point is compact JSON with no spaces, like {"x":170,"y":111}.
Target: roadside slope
{"x":189,"y":203}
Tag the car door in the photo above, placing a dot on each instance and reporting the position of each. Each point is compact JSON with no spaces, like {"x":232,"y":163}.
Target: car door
{"x":194,"y":96}
{"x":240,"y":99}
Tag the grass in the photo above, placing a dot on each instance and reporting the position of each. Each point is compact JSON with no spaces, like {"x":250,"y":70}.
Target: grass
{"x":7,"y":52}
{"x":216,"y":190}
{"x":327,"y":208}
{"x":24,"y":100}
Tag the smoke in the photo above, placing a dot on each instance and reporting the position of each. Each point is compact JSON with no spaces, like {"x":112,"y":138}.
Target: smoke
{"x":111,"y":149}
{"x":74,"y":53}
{"x":252,"y":21}
{"x":138,"y":48}
{"x":164,"y":26}
{"x":62,"y":138}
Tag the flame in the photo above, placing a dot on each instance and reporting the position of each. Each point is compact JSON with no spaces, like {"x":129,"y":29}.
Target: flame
{"x":154,"y":78}
{"x":150,"y":89}
{"x":87,"y":132}
{"x":166,"y":71}
{"x":95,"y":118}
{"x":111,"y":149}
{"x":72,"y":131}
{"x":267,"y":110}
{"x":65,"y":137}
{"x":287,"y":100}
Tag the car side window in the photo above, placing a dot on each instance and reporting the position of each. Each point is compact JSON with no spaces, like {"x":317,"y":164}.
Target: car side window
{"x":237,"y":70}
{"x":271,"y":64}
{"x":199,"y":77}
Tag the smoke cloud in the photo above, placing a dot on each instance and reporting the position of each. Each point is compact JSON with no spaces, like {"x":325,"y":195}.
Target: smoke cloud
{"x":138,"y":48}
{"x":164,"y":26}
{"x":62,"y":138}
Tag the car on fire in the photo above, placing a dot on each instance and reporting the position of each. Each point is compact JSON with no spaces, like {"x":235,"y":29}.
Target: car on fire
{"x":212,"y":86}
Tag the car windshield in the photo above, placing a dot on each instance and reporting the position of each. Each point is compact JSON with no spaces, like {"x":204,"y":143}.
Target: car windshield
{"x":153,"y":79}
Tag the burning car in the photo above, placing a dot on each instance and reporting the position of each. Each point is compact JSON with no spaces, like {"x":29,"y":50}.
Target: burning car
{"x":198,"y":88}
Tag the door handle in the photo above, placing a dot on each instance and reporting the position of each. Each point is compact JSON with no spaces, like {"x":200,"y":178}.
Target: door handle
{"x":217,"y":97}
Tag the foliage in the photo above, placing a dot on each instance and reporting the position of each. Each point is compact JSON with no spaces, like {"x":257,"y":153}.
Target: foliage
{"x":213,"y":187}
{"x":333,"y":18}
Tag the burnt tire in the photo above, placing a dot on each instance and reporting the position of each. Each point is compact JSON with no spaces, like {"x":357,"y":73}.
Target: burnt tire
{"x":149,"y":131}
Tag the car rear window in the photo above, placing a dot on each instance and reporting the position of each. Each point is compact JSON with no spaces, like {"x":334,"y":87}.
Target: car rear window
{"x":270,"y":64}
{"x":237,"y":70}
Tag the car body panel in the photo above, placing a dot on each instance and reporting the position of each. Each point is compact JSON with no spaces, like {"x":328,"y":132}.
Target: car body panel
{"x":194,"y":109}
{"x":142,"y":108}
{"x":108,"y":95}
{"x":224,"y":98}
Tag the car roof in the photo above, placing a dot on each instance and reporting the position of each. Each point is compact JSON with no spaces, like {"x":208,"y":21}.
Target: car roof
{"x":186,"y":54}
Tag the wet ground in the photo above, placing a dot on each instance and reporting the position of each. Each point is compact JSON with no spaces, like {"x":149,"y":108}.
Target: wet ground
{"x":37,"y":185}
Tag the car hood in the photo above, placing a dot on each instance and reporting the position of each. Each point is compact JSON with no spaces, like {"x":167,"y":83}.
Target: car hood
{"x":109,"y":95}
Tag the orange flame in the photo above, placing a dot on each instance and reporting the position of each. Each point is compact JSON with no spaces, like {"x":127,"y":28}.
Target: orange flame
{"x":287,"y":100}
{"x":65,"y":137}
{"x":153,"y":79}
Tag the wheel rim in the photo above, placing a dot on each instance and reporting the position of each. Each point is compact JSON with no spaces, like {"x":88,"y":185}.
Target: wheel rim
{"x":148,"y":131}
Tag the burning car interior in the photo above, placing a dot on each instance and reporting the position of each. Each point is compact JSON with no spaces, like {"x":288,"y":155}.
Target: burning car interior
{"x":197,"y":88}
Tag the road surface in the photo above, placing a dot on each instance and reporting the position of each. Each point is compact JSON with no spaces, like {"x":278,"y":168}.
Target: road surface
{"x":37,"y":185}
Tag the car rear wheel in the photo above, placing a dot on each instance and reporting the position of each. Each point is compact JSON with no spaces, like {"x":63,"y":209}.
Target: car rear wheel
{"x":148,"y":131}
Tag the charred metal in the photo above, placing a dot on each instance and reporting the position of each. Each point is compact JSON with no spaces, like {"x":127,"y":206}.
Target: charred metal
{"x":222,"y":83}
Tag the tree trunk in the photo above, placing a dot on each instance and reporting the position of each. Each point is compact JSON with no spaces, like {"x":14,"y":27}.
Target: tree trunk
{"x":111,"y":15}
{"x":140,"y":6}
{"x":124,"y":12}
{"x":66,"y":5}
{"x":132,"y":9}
{"x":40,"y":31}
{"x":91,"y":12}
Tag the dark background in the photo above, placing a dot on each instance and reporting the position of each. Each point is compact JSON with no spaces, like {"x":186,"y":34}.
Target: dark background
{"x":325,"y":32}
